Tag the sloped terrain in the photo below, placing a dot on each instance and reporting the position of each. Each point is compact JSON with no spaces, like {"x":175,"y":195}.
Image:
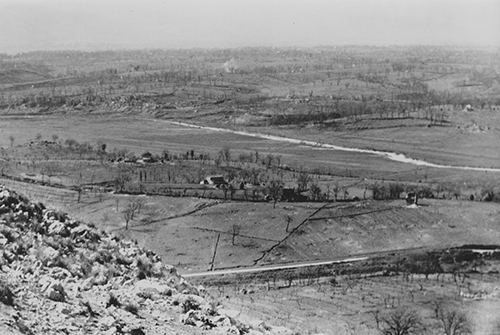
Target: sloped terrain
{"x":375,"y":226}
{"x":61,"y":276}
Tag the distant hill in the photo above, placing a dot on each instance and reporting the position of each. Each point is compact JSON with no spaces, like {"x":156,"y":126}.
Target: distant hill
{"x":21,"y":75}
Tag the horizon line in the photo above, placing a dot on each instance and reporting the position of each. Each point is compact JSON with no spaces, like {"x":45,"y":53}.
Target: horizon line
{"x":193,"y":48}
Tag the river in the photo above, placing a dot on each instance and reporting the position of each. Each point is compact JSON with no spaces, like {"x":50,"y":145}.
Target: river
{"x":394,"y":156}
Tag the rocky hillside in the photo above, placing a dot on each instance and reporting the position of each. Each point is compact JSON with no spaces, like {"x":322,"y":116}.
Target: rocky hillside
{"x":61,"y":276}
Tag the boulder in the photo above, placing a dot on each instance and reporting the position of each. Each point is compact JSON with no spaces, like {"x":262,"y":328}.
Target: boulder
{"x":47,"y":253}
{"x":56,"y":292}
{"x":58,"y":228}
{"x":3,"y":240}
{"x":152,"y":288}
{"x":106,"y":322}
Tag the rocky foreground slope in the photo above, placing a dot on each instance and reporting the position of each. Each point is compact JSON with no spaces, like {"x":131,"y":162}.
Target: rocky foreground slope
{"x":61,"y":276}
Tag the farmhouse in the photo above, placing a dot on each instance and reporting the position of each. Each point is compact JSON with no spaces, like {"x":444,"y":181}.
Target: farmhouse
{"x":217,"y":181}
{"x":147,"y":157}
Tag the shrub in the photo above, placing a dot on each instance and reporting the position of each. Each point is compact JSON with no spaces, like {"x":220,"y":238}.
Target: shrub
{"x":144,"y":266}
{"x":6,"y":295}
{"x":131,"y":308}
{"x":189,"y":304}
{"x":113,"y":301}
{"x":8,"y":235}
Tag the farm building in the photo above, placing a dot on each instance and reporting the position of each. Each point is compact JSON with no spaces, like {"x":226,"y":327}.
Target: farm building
{"x":147,"y":157}
{"x":214,"y":180}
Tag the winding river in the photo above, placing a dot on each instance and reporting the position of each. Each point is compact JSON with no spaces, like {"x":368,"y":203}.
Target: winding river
{"x":394,"y":156}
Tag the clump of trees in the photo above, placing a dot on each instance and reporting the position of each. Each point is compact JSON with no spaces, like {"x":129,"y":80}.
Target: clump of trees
{"x":121,"y":180}
{"x":131,"y":210}
{"x":405,"y":321}
{"x":387,"y":192}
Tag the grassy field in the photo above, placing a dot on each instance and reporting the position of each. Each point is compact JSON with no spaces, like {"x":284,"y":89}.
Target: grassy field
{"x":139,"y":135}
{"x":349,"y":306}
{"x":375,"y":226}
{"x":184,"y":230}
{"x":459,"y":143}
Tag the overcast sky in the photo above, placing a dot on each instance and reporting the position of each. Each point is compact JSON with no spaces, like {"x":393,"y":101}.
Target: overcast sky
{"x":110,"y":24}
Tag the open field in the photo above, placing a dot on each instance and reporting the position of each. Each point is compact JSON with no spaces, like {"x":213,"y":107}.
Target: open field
{"x":184,"y":230}
{"x":379,"y":226}
{"x":139,"y":135}
{"x":349,"y":306}
{"x":459,"y":143}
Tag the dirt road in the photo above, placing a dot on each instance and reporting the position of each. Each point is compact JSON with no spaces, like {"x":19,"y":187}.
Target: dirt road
{"x":274,"y":267}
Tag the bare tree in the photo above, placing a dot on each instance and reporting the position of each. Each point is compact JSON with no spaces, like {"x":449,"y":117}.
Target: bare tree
{"x":79,"y":189}
{"x":269,"y":160}
{"x":336,"y":191}
{"x":288,"y":220}
{"x":138,"y":204}
{"x":232,"y":191}
{"x":128,"y":214}
{"x":218,"y":160}
{"x":11,"y":139}
{"x":275,"y":191}
{"x":303,"y":181}
{"x":225,"y":155}
{"x":346,"y":193}
{"x":453,"y":322}
{"x":134,"y":207}
{"x":399,"y":322}
{"x":234,"y":232}
{"x":224,"y":189}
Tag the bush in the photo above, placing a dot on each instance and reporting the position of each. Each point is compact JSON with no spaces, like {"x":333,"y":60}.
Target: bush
{"x":145,"y":267}
{"x":189,"y":304}
{"x":113,"y":301}
{"x":315,"y":192}
{"x":6,"y":295}
{"x":379,"y":192}
{"x":131,"y":308}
